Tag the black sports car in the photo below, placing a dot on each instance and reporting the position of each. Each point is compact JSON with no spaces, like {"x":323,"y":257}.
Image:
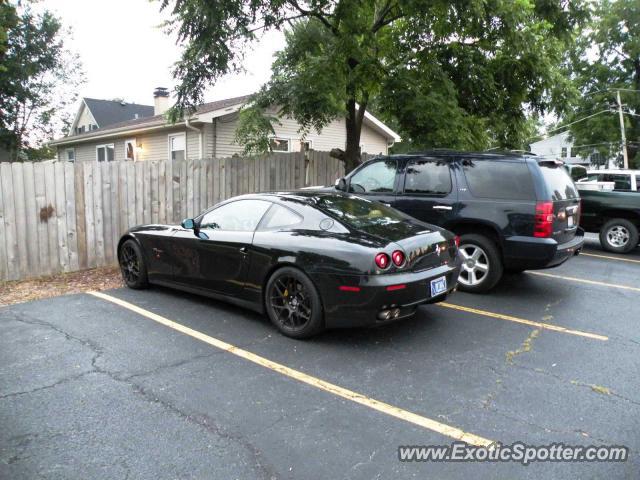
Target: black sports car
{"x":309,"y":259}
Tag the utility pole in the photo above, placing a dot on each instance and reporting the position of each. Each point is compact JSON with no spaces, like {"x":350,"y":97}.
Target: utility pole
{"x":622,"y":134}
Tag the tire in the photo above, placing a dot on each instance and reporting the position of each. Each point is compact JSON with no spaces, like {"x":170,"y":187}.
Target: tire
{"x":478,"y":250}
{"x":132,"y":265}
{"x":296,"y":316}
{"x":619,"y":235}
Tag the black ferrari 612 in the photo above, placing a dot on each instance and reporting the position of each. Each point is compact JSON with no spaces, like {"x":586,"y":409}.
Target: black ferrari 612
{"x":310,"y":260}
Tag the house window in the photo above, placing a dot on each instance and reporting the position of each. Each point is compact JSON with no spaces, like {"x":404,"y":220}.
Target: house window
{"x":130,"y":152}
{"x":563,"y":153}
{"x":105,"y":153}
{"x":277,"y":144}
{"x":70,"y":154}
{"x":177,"y":147}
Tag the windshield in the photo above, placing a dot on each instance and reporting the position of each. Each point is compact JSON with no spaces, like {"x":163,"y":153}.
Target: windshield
{"x":357,"y":212}
{"x":558,"y":182}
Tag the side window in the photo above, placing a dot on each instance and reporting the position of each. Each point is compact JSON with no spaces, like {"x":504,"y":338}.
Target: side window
{"x":638,"y":182}
{"x":622,"y":182}
{"x":428,"y":177}
{"x":377,"y":177}
{"x":239,"y":216}
{"x":281,"y":217}
{"x":502,"y":179}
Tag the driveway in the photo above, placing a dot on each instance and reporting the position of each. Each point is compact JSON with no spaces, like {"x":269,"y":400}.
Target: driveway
{"x":161,"y":384}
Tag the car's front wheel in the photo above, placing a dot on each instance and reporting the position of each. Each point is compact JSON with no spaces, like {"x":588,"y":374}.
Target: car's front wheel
{"x":619,"y":235}
{"x":481,"y":264}
{"x":293,"y":304}
{"x":132,"y":266}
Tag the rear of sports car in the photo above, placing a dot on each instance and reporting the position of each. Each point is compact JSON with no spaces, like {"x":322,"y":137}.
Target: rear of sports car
{"x":405,"y":264}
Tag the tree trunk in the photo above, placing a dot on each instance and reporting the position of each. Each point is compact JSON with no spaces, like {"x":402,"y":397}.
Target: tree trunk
{"x":355,"y":114}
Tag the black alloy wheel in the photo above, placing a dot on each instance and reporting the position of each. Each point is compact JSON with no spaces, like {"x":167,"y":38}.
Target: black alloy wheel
{"x":134,"y":271}
{"x":293,"y":304}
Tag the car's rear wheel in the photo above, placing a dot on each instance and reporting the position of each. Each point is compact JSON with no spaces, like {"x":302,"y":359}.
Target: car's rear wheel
{"x":132,"y":266}
{"x":481,"y":264}
{"x":619,"y":235}
{"x":293,"y":303}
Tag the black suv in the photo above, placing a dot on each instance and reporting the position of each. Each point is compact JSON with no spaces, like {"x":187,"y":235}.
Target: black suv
{"x":513,"y":212}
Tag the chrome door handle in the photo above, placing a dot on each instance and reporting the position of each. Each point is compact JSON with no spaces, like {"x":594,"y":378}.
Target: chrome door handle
{"x":244,"y":250}
{"x":385,"y":203}
{"x":442,"y":207}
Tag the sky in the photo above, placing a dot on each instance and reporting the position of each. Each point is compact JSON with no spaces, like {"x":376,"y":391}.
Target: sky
{"x":126,"y":54}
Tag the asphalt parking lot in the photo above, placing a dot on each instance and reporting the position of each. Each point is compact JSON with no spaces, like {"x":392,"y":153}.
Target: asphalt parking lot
{"x":93,"y":387}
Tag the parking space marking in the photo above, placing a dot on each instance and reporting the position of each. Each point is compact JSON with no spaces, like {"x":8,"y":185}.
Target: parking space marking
{"x":589,"y":282}
{"x":609,"y":257}
{"x":429,"y":424}
{"x":509,"y":318}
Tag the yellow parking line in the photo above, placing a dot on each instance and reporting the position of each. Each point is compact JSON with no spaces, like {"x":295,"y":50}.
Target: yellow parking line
{"x":609,"y":257}
{"x":509,"y":318}
{"x":589,"y":282}
{"x":350,"y":395}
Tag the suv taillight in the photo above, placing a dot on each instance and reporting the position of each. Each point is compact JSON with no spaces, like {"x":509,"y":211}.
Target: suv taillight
{"x":543,"y":227}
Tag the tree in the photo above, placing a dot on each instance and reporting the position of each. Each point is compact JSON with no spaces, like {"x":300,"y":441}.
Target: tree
{"x":607,"y":59}
{"x":450,"y":73}
{"x":38,"y":80}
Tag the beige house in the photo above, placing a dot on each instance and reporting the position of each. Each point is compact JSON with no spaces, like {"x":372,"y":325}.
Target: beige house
{"x":208,"y":133}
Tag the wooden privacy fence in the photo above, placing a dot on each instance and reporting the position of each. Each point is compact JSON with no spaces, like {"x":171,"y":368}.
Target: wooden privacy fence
{"x":62,"y":217}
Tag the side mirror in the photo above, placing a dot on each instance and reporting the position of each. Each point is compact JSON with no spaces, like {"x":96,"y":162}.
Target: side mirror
{"x":188,"y":223}
{"x":341,"y":184}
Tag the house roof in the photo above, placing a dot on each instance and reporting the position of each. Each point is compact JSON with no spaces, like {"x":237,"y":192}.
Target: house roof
{"x":110,"y":112}
{"x":206,"y":110}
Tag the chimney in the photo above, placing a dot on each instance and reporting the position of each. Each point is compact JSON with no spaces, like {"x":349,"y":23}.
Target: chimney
{"x":160,"y":100}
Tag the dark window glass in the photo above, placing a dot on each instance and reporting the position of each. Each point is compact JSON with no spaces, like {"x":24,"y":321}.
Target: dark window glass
{"x":239,"y":216}
{"x":377,"y":177}
{"x":280,"y":217}
{"x":358,"y":212}
{"x":622,"y":181}
{"x":428,"y":177}
{"x":558,"y":181}
{"x":499,"y":179}
{"x":577,"y":172}
{"x":638,"y":182}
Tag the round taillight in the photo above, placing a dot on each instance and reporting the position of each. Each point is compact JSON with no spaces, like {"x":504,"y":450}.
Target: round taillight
{"x":382,"y":260}
{"x":398,"y":258}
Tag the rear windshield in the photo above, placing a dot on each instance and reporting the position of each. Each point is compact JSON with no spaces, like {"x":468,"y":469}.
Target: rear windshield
{"x":558,"y":181}
{"x":357,"y":212}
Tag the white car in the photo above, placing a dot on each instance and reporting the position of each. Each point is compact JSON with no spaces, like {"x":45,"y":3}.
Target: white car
{"x":624,"y":180}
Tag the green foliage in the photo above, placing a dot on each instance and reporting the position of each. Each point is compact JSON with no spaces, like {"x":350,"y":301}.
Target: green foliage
{"x":254,"y":129}
{"x":607,"y":58}
{"x":38,"y":82}
{"x":457,"y":74}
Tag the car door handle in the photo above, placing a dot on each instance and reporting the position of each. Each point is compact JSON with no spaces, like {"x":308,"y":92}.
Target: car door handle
{"x":385,"y":203}
{"x":442,"y":207}
{"x":244,"y":250}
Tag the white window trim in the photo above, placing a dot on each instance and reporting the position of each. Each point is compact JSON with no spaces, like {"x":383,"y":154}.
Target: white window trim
{"x":176,"y":134}
{"x":104,"y":145}
{"x":280,"y":137}
{"x":66,"y":154}
{"x":306,"y":140}
{"x":135,"y":148}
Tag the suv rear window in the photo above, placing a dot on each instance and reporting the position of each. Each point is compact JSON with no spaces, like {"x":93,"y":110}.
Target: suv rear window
{"x":502,"y":179}
{"x":558,"y":181}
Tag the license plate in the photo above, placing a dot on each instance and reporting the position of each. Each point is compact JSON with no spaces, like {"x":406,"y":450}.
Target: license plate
{"x":438,"y":286}
{"x":570,"y":221}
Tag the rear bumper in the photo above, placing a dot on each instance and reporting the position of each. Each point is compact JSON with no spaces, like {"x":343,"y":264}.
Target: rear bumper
{"x":349,"y":308}
{"x":532,"y":253}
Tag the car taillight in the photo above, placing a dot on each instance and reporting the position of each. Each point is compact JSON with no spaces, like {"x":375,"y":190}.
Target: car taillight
{"x":457,"y":241}
{"x":382,"y":260}
{"x":398,"y":258}
{"x":543,"y":227}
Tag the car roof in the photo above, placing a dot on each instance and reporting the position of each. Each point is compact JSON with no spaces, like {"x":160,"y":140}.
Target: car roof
{"x":496,"y":155}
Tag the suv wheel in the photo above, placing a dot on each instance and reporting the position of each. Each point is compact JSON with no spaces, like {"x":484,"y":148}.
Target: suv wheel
{"x":619,"y":235}
{"x":481,"y":264}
